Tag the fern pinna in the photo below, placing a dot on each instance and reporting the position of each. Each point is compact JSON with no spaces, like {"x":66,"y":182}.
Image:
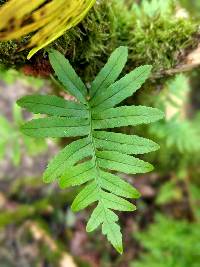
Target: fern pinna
{"x":90,"y":159}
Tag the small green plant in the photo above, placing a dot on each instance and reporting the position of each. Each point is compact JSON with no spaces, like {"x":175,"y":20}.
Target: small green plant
{"x":13,"y":143}
{"x":169,"y":243}
{"x":88,"y":159}
{"x":177,"y":126}
{"x":177,"y":158}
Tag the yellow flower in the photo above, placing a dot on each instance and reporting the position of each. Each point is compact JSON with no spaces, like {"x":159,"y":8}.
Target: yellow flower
{"x":48,"y":19}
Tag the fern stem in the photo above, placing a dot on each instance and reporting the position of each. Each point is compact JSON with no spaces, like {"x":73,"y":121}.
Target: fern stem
{"x":97,"y":177}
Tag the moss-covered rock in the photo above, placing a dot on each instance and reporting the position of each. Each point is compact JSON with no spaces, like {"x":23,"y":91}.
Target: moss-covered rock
{"x":160,"y":39}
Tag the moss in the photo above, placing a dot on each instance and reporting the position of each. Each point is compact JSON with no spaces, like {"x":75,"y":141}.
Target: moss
{"x":161,"y":42}
{"x":10,"y":56}
{"x":160,"y":39}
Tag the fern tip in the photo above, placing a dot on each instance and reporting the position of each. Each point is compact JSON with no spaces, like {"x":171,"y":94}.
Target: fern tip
{"x":136,"y":196}
{"x":119,"y":249}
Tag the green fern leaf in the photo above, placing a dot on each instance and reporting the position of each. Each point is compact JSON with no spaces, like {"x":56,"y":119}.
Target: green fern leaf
{"x":127,"y":144}
{"x":110,"y":72}
{"x":77,"y":175}
{"x":112,"y":230}
{"x":89,"y":160}
{"x":66,"y":158}
{"x":53,"y":106}
{"x":108,"y":219}
{"x":117,"y":186}
{"x":125,"y":116}
{"x":67,"y":76}
{"x":120,"y":90}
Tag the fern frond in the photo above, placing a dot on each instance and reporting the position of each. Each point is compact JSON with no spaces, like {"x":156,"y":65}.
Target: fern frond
{"x":49,"y":18}
{"x":89,"y":160}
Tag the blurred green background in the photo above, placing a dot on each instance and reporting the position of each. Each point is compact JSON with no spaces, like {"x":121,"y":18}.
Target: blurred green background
{"x":37,"y":227}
